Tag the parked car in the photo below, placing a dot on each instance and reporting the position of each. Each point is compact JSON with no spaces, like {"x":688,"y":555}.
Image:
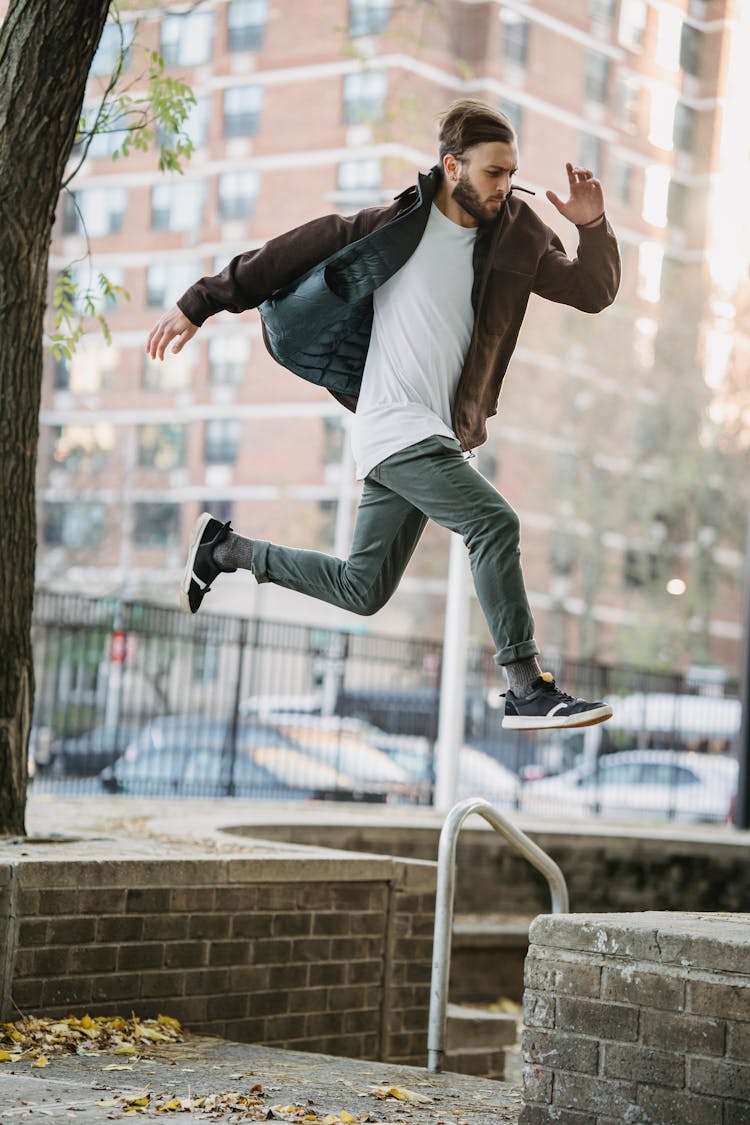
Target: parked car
{"x":191,"y":755}
{"x":635,"y":783}
{"x":87,"y":754}
{"x":339,"y":743}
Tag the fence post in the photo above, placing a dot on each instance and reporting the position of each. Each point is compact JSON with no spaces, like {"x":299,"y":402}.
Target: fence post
{"x":236,"y":709}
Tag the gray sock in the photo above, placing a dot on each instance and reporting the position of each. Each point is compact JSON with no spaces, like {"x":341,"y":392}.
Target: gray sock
{"x":522,"y":673}
{"x":235,"y":552}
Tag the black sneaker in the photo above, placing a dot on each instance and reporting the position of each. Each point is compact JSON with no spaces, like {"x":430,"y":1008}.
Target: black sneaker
{"x":546,"y":708}
{"x":201,"y":569}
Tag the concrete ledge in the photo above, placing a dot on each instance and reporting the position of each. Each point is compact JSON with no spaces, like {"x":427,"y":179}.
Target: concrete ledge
{"x":292,"y":946}
{"x":643,"y":1018}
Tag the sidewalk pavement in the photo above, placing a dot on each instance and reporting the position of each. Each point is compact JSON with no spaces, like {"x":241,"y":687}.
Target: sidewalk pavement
{"x":248,"y":1083}
{"x":92,"y":1090}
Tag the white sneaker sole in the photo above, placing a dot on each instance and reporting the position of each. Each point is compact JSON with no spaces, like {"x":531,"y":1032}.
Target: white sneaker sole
{"x":557,"y":722}
{"x":187,"y":575}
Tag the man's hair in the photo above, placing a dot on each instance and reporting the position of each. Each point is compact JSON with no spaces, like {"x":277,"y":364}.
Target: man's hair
{"x":467,"y":122}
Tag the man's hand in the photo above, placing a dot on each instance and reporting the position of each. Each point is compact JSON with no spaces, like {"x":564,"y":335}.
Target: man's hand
{"x":586,"y":197}
{"x":174,"y":325}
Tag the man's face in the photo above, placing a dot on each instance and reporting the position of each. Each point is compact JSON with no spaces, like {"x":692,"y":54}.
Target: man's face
{"x":484,"y":178}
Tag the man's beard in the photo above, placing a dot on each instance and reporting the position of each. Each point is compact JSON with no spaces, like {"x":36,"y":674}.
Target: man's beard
{"x":466,"y":195}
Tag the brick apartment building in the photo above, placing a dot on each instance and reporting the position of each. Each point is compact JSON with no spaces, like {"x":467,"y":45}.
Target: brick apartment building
{"x":305,"y":108}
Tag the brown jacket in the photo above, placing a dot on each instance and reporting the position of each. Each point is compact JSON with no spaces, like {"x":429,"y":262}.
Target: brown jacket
{"x":515,"y":256}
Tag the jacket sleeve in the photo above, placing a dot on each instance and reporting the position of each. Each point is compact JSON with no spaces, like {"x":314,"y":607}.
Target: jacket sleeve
{"x":252,"y":277}
{"x":590,"y":280}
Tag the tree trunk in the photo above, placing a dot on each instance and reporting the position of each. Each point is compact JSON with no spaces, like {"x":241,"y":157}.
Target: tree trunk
{"x":46,"y":48}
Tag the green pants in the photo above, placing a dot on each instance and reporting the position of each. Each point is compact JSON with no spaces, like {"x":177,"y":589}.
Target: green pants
{"x":429,"y":480}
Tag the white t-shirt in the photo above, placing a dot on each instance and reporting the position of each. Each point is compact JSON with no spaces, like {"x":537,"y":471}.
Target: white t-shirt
{"x":421,"y":329}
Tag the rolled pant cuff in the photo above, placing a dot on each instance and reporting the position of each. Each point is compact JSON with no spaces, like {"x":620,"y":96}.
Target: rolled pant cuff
{"x":260,"y":560}
{"x":511,"y":653}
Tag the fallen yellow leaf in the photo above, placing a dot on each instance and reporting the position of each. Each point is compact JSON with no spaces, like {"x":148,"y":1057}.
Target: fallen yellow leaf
{"x":41,"y":1061}
{"x":347,"y":1118}
{"x":6,"y":1057}
{"x":400,"y":1093}
{"x":125,"y":1049}
{"x":167,"y":1107}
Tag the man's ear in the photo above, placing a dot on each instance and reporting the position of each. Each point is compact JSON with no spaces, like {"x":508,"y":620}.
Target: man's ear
{"x":451,"y":166}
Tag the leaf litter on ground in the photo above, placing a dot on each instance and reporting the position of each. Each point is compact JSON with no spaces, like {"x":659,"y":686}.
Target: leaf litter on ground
{"x":38,"y":1037}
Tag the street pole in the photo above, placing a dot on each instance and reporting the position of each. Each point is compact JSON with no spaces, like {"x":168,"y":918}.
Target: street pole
{"x":742,"y":808}
{"x":453,"y":677}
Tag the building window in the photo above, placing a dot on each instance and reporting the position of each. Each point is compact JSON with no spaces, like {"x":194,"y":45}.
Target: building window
{"x":161,"y":447}
{"x":641,"y":568}
{"x":176,"y":375}
{"x":662,"y":117}
{"x":222,"y":510}
{"x":655,"y":191}
{"x":359,"y":176}
{"x":222,"y":441}
{"x":242,"y":109}
{"x":114,"y":42}
{"x":368,"y":17}
{"x":602,"y":11}
{"x":633,"y":19}
{"x":668,"y":32}
{"x":82,"y":448}
{"x":166,"y":282}
{"x":60,"y":373}
{"x":627,"y":98}
{"x":96,"y":212}
{"x":102,"y":145}
{"x":177,"y":206}
{"x":515,"y":37}
{"x":187,"y":40}
{"x":514,"y":112}
{"x":327,"y":510}
{"x":195,"y":126}
{"x":620,"y":181}
{"x":596,"y":76}
{"x":691,"y":49}
{"x":685,"y":127}
{"x":334,"y":436}
{"x":590,"y":153}
{"x":644,"y":347}
{"x":364,"y":96}
{"x":650,"y":263}
{"x":92,"y":369}
{"x":157,"y":524}
{"x":238,"y":194}
{"x":246,"y":24}
{"x":227,"y":358}
{"x":677,"y":204}
{"x":74,"y":524}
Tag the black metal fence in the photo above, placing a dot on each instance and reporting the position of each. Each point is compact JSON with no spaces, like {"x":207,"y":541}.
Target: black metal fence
{"x":136,"y":698}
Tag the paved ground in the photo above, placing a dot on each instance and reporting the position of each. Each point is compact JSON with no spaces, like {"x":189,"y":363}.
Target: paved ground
{"x":248,"y":1083}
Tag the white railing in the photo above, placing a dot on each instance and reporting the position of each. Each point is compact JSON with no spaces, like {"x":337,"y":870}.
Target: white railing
{"x":446,"y":882}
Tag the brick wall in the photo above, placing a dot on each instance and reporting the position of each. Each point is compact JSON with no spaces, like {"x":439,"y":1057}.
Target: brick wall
{"x":329,"y":955}
{"x":641,"y":1018}
{"x":605,"y":868}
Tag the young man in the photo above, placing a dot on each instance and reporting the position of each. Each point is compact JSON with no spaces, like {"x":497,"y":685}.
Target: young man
{"x":409,"y":313}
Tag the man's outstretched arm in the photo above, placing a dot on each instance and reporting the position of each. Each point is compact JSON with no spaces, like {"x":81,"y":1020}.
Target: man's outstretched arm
{"x":589,"y":281}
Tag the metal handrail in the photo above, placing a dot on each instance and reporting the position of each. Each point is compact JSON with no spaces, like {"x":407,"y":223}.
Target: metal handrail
{"x":446,"y":881}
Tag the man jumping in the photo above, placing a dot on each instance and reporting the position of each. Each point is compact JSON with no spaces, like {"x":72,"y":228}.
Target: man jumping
{"x":409,"y":313}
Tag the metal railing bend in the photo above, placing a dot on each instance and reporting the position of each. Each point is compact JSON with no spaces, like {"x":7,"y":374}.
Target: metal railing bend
{"x":446,"y":882}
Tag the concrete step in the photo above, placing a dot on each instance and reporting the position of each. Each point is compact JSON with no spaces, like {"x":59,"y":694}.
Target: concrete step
{"x":487,"y":957}
{"x":468,"y":1027}
{"x":479,"y":1061}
